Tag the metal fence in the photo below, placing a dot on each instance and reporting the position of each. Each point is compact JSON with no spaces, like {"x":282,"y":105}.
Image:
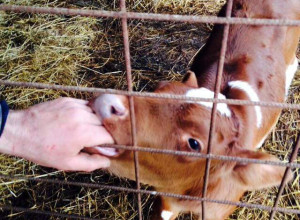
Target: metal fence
{"x":124,"y":16}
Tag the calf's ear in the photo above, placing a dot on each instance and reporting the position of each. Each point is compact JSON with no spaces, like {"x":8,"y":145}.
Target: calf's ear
{"x":255,"y":176}
{"x":190,"y":79}
{"x":161,"y":84}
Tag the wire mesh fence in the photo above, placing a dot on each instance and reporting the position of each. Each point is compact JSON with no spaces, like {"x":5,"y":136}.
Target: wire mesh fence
{"x":125,"y":16}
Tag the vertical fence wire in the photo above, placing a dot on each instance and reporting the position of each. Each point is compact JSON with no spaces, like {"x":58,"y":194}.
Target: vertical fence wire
{"x":214,"y":108}
{"x":285,"y":177}
{"x":131,"y":104}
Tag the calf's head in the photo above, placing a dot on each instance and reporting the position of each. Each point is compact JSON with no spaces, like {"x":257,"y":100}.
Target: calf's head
{"x":182,"y":126}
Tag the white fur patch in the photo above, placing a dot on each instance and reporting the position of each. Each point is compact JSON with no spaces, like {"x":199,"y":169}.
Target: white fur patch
{"x":206,"y":93}
{"x":289,"y":75}
{"x":247,"y":88}
{"x":166,"y":215}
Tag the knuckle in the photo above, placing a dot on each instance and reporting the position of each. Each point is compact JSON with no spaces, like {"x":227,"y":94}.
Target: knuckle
{"x":65,"y":100}
{"x":62,"y":99}
{"x":75,"y":113}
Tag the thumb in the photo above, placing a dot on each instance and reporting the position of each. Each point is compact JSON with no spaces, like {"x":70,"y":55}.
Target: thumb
{"x":95,"y":135}
{"x":88,"y":162}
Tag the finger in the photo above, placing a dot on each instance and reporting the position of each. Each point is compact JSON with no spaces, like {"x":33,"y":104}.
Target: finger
{"x":88,"y":162}
{"x":59,"y":103}
{"x":74,"y":100}
{"x":68,"y":101}
{"x":93,"y":136}
{"x":74,"y":103}
{"x":93,"y":119}
{"x":74,"y":106}
{"x":84,"y":117}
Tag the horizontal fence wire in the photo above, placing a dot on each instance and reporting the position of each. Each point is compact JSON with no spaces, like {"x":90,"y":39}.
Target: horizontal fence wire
{"x":205,"y":156}
{"x":155,"y":193}
{"x":149,"y":16}
{"x":151,"y":95}
{"x":170,"y":18}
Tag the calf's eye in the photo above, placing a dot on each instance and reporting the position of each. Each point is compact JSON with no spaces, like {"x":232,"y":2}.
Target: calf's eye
{"x":194,"y":144}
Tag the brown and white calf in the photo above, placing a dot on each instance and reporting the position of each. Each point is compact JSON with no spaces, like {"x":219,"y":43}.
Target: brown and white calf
{"x":259,"y":66}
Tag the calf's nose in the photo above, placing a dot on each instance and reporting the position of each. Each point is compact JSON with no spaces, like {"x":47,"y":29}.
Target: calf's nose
{"x":108,"y":105}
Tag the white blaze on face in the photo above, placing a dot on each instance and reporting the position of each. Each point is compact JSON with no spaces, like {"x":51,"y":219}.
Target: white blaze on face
{"x":247,"y":88}
{"x":289,"y":75}
{"x":166,"y":215}
{"x":206,"y":93}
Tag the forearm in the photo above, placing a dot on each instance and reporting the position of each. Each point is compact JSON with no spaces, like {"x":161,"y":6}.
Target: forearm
{"x":12,"y":133}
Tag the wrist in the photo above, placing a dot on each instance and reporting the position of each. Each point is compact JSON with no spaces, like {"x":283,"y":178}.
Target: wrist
{"x":11,"y":133}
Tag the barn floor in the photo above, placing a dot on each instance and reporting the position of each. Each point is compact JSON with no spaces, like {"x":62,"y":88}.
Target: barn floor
{"x":85,"y":52}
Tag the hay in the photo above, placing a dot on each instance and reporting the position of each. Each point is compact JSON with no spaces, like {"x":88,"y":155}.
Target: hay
{"x":89,"y":52}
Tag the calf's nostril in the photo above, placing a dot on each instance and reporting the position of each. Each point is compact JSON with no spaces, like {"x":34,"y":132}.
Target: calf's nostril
{"x":115,"y":111}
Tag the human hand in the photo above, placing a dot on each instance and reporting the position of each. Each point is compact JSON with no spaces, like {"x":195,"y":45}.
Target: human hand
{"x":53,"y":134}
